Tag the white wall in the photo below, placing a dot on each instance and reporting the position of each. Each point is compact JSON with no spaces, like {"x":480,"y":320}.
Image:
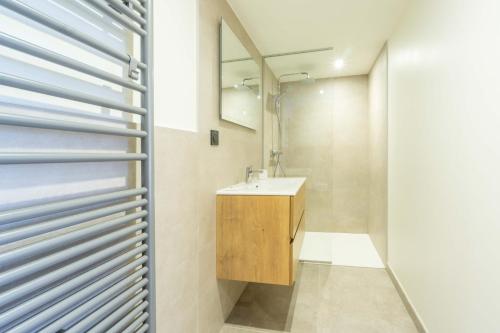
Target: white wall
{"x":444,"y":162}
{"x":377,"y":137}
{"x":175,"y":69}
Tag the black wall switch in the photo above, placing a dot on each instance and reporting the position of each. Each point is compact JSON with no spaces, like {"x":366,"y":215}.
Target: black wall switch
{"x":214,"y":138}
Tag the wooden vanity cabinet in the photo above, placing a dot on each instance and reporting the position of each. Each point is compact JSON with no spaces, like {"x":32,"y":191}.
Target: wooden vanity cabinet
{"x":259,"y":237}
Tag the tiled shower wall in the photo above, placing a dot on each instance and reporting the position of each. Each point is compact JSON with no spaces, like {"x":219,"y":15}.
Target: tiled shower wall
{"x":325,"y":138}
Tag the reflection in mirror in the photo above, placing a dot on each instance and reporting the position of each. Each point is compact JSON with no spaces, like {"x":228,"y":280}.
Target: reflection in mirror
{"x":240,"y":81}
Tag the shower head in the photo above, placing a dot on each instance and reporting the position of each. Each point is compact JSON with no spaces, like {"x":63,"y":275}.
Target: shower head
{"x":244,"y":85}
{"x":307,"y":79}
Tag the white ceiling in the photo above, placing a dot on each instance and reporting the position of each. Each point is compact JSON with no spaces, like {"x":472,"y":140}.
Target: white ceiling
{"x":357,"y":30}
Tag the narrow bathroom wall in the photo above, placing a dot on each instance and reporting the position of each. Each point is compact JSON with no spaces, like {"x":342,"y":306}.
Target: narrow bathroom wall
{"x":188,"y":172}
{"x":325,"y":138}
{"x":377,"y":217}
{"x":444,"y":162}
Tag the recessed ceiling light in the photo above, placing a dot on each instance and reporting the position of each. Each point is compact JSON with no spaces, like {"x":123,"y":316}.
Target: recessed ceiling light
{"x":321,"y":91}
{"x":339,"y":63}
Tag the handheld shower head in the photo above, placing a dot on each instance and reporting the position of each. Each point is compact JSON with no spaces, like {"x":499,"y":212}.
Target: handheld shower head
{"x":271,"y":101}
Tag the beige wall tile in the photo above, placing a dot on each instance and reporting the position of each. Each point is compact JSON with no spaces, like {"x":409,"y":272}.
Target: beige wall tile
{"x":325,"y":138}
{"x":176,"y":230}
{"x":188,"y":173}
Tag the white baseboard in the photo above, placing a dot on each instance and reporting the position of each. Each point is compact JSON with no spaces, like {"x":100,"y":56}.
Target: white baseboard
{"x":406,"y":301}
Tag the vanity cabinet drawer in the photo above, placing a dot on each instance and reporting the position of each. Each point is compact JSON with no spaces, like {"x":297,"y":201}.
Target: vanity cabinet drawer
{"x":252,"y":238}
{"x":297,"y":206}
{"x":259,"y":237}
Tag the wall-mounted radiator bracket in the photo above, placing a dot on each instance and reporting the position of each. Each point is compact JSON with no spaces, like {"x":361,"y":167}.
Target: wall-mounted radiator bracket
{"x":133,"y":72}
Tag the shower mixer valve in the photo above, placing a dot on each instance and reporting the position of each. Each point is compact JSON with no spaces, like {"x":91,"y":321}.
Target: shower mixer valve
{"x":275,"y":153}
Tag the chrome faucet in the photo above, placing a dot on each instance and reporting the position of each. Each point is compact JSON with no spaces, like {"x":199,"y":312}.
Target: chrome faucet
{"x":248,"y":174}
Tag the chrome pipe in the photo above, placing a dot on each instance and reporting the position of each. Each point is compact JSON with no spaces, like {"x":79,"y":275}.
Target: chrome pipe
{"x":34,"y":158}
{"x":42,"y":53}
{"x":63,"y":125}
{"x":43,"y":19}
{"x":65,"y":205}
{"x":51,"y":90}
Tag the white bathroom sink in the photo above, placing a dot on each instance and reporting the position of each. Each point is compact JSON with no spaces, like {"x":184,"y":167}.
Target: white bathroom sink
{"x":269,"y":186}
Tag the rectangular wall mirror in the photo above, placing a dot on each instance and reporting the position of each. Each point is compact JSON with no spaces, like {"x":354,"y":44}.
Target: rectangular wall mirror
{"x":240,"y":95}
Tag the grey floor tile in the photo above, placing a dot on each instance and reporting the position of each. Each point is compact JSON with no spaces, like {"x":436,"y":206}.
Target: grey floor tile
{"x":325,"y":299}
{"x":228,"y":328}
